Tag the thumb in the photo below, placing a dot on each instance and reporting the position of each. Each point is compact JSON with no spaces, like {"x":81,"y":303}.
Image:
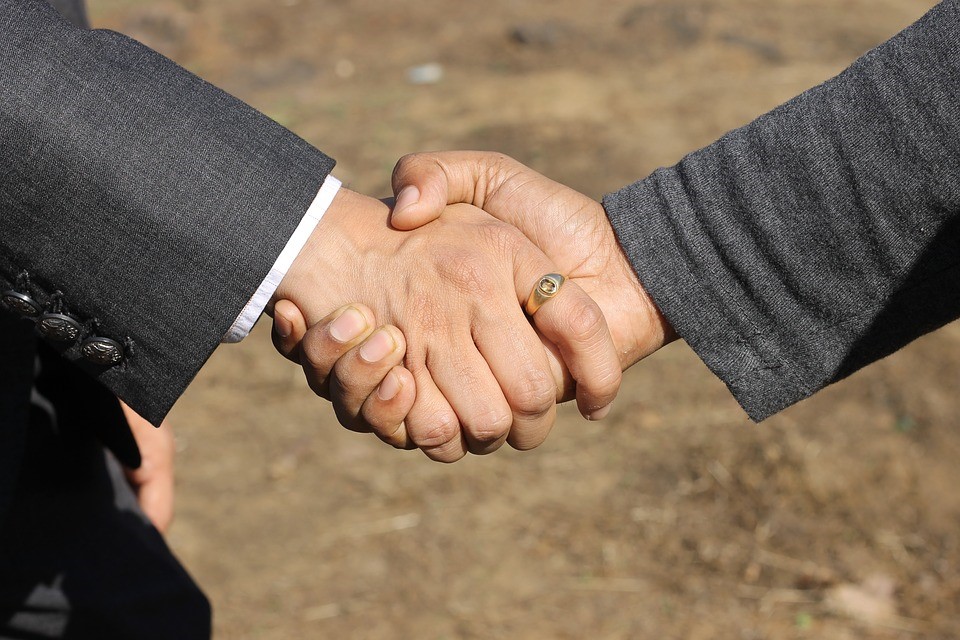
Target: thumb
{"x":412,"y":210}
{"x":289,"y":327}
{"x":425,"y":183}
{"x":420,"y":185}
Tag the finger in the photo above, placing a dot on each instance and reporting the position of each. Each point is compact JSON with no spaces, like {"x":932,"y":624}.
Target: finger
{"x":432,"y":424}
{"x":424,"y":183}
{"x":325,"y":342}
{"x":152,"y":481}
{"x":289,"y":327}
{"x":359,"y":373}
{"x":520,"y":364}
{"x":386,"y":409}
{"x":566,"y":385}
{"x":466,"y":381}
{"x":574,"y":323}
{"x":155,"y":497}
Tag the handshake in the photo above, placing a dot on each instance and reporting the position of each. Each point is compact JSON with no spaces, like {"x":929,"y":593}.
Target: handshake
{"x":464,"y":339}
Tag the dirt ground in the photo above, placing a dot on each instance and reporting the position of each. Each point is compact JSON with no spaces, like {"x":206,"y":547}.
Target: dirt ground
{"x":677,"y":517}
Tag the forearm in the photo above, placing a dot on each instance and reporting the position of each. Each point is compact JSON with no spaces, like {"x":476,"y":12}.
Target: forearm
{"x":155,"y":203}
{"x":820,"y":237}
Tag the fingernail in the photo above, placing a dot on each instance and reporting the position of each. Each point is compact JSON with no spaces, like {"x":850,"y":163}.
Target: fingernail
{"x":389,"y":388}
{"x":350,"y":324}
{"x":283,"y":325}
{"x":409,"y":195}
{"x":378,"y":346}
{"x":600,"y":414}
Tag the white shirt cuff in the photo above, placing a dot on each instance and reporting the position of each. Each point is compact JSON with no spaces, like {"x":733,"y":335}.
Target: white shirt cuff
{"x":242,"y":326}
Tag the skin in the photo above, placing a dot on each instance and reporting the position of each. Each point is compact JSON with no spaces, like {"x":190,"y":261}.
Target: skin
{"x":569,"y":227}
{"x":152,"y":482}
{"x":476,"y":269}
{"x":370,"y":395}
{"x":454,"y":288}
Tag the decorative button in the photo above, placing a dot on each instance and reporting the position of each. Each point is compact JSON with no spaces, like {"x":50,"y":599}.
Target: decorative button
{"x":21,"y":304}
{"x":102,"y":351}
{"x":59,"y":327}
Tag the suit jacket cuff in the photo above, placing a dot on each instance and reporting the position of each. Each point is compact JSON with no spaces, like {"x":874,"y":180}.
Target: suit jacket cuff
{"x":242,"y":326}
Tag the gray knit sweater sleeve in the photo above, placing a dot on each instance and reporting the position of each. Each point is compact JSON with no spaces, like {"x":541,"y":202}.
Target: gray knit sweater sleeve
{"x":820,"y":237}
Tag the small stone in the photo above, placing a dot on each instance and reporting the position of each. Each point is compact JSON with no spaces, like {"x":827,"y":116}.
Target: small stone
{"x":872,"y":601}
{"x":344,"y":68}
{"x":544,"y":35}
{"x":430,"y":73}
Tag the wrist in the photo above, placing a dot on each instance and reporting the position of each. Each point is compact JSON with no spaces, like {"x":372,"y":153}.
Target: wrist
{"x":318,"y":280}
{"x":661,"y":332}
{"x":310,"y":266}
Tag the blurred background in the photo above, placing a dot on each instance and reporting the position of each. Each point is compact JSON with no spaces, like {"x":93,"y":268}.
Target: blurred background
{"x":676,"y":517}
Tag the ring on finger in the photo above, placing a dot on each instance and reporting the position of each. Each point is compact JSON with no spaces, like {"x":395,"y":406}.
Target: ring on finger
{"x":547,"y":287}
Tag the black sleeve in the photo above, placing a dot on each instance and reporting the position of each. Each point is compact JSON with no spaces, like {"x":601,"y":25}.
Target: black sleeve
{"x":136,"y":197}
{"x":821,"y":237}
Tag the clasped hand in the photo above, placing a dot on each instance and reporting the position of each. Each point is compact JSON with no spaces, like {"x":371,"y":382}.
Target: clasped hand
{"x":456,"y":366}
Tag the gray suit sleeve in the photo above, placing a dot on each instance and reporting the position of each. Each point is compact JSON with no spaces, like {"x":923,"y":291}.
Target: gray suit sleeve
{"x":821,"y":237}
{"x":136,"y":197}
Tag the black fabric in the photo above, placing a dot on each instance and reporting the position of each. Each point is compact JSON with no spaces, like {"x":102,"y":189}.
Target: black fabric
{"x":820,"y":237}
{"x":152,"y":202}
{"x":150,"y":205}
{"x":78,"y":559}
{"x":77,"y":404}
{"x":16,"y":380}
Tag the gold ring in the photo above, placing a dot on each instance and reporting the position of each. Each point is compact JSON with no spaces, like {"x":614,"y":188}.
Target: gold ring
{"x":547,"y":287}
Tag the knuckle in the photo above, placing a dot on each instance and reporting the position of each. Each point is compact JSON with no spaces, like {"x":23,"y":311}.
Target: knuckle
{"x":407,"y":158}
{"x":499,"y":169}
{"x":438,"y":430}
{"x":507,"y":239}
{"x":489,"y":426}
{"x":402,"y":168}
{"x":315,"y":354}
{"x":413,"y":163}
{"x":348,"y":380}
{"x":585,"y":322}
{"x":535,"y":394}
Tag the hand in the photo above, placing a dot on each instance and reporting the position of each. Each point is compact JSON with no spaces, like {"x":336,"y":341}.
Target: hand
{"x":371,"y":392}
{"x":152,"y":482}
{"x":454,"y":289}
{"x":570,"y":228}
